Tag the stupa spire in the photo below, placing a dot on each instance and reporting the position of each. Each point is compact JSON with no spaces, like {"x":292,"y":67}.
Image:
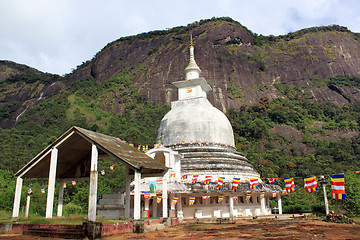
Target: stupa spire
{"x":192,"y":70}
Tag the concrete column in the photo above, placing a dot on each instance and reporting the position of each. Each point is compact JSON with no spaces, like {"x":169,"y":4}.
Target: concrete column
{"x":27,"y":206}
{"x":137,"y":196}
{"x":17,"y":197}
{"x":93,"y":184}
{"x":231,"y":206}
{"x":146,"y":206}
{"x":127,"y":191}
{"x":61,"y":199}
{"x":268,"y":202}
{"x":262,"y":206}
{"x":279,"y":203}
{"x":51,"y":184}
{"x":165,"y":195}
{"x":154,"y":206}
{"x":179,"y":209}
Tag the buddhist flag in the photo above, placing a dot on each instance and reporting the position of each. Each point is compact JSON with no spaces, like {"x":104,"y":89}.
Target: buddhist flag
{"x":205,"y":197}
{"x":191,"y":200}
{"x":248,"y":196}
{"x":235,"y":184}
{"x":220,"y":182}
{"x":274,"y":193}
{"x":254,"y":183}
{"x":207,"y":179}
{"x":221,"y":197}
{"x":146,"y":148}
{"x":284,"y":191}
{"x":338,"y":186}
{"x":174,"y":200}
{"x":173,"y":174}
{"x":272,"y":180}
{"x":262,"y":194}
{"x":310,"y":184}
{"x":139,"y":147}
{"x":43,"y":190}
{"x":143,"y":148}
{"x":64,"y":186}
{"x":289,"y":185}
{"x":235,"y":197}
{"x":147,"y":195}
{"x":103,"y":172}
{"x":158,"y":199}
{"x":73,"y":183}
{"x":131,"y":144}
{"x":184,"y":176}
{"x":111,"y":167}
{"x":195,"y":177}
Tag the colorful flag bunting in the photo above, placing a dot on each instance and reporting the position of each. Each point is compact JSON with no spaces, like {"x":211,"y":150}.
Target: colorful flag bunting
{"x":235,"y":197}
{"x":174,"y":200}
{"x":184,"y":176}
{"x":158,"y":199}
{"x":111,"y":167}
{"x":220,"y":182}
{"x":139,"y":147}
{"x":173,"y":174}
{"x":310,"y":184}
{"x":338,"y":186}
{"x":221,"y":197}
{"x":147,"y":195}
{"x":195,"y":177}
{"x":207,"y":179}
{"x":289,"y":185}
{"x":103,"y":172}
{"x":284,"y":191}
{"x":131,"y":144}
{"x":274,"y":193}
{"x":205,"y":197}
{"x":191,"y":200}
{"x":262,"y":194}
{"x":248,"y":196}
{"x":43,"y":190}
{"x":254,"y":183}
{"x":143,"y":148}
{"x":235,"y":184}
{"x":73,"y":183}
{"x":272,"y":180}
{"x":64,"y":186}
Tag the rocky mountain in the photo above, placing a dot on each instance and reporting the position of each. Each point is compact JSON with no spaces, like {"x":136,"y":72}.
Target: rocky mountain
{"x":241,"y":67}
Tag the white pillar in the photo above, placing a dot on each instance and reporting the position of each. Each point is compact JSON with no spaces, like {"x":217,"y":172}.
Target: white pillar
{"x":165,"y":195}
{"x":325,"y":195}
{"x":27,"y":205}
{"x":17,"y":197}
{"x":262,"y":205}
{"x":61,"y":199}
{"x":137,"y":196}
{"x":93,"y":184}
{"x":231,"y":206}
{"x":127,"y":191}
{"x":147,"y":204}
{"x":155,"y":206}
{"x":179,"y":209}
{"x":279,"y":204}
{"x":51,"y":184}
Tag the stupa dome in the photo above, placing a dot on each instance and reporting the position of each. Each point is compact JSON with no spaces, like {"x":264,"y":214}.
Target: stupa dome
{"x":195,"y":120}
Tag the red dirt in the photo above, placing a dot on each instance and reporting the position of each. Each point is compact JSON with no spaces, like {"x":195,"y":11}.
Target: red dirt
{"x":254,"y":229}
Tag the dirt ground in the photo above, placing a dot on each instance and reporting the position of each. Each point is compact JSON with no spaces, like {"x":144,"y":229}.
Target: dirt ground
{"x":241,"y":229}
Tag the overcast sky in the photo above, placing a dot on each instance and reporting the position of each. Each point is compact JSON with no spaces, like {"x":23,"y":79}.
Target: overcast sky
{"x":57,"y":35}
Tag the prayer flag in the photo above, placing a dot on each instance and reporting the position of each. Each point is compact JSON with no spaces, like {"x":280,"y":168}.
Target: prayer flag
{"x":131,"y":144}
{"x":103,"y":172}
{"x":205,"y":197}
{"x":195,"y":177}
{"x":235,"y":184}
{"x":235,"y":197}
{"x":158,"y":199}
{"x":262,"y":194}
{"x":43,"y":190}
{"x":207,"y":179}
{"x":73,"y":183}
{"x":184,"y":176}
{"x":146,"y":148}
{"x":310,"y":184}
{"x":289,"y":185}
{"x":64,"y":186}
{"x":248,"y":196}
{"x":139,"y":147}
{"x":254,"y":183}
{"x":174,"y":200}
{"x":284,"y":191}
{"x":111,"y":167}
{"x":147,"y":195}
{"x":29,"y":192}
{"x":272,"y":180}
{"x":172,"y":175}
{"x":274,"y":193}
{"x":143,"y":148}
{"x":220,"y":182}
{"x":338,"y":186}
{"x":221,"y":197}
{"x":191,"y":200}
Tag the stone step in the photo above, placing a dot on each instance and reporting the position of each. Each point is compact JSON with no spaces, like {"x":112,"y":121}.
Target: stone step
{"x":111,"y":201}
